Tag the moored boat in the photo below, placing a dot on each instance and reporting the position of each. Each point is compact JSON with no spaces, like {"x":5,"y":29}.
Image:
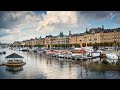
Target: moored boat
{"x":16,"y":63}
{"x":15,"y":60}
{"x":112,"y":56}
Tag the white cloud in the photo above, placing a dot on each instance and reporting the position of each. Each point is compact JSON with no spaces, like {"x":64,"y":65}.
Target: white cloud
{"x":27,"y":24}
{"x":58,"y":19}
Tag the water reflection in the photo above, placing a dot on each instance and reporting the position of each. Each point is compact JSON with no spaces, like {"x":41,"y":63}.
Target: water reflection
{"x":49,"y":61}
{"x":14,"y":69}
{"x":61,"y":64}
{"x":40,"y":66}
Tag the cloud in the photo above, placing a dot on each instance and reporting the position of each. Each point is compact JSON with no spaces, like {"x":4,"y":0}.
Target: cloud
{"x":101,"y":15}
{"x":72,"y":20}
{"x":27,"y":24}
{"x":58,"y":19}
{"x":3,"y":32}
{"x":15,"y":23}
{"x":10,"y":19}
{"x":55,"y":21}
{"x":96,"y":14}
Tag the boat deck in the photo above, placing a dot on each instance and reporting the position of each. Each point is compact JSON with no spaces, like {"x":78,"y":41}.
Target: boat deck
{"x":14,"y":64}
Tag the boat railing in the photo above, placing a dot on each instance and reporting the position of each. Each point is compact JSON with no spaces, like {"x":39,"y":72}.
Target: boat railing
{"x":14,"y":61}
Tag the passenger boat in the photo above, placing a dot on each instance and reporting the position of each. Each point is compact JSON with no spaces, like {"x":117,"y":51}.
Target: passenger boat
{"x":2,"y":51}
{"x":14,"y":60}
{"x":14,"y":63}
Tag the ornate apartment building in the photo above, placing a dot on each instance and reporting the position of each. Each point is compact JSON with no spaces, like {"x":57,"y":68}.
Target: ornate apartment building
{"x":85,"y":38}
{"x":94,"y":35}
{"x":51,"y":41}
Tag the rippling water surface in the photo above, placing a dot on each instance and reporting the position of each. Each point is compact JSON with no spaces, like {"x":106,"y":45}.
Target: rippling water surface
{"x":43,"y":67}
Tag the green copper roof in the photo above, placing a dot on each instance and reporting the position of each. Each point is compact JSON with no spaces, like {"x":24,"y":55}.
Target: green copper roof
{"x":61,"y":34}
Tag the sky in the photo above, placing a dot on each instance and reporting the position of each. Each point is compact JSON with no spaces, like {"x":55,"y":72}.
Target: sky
{"x":24,"y":25}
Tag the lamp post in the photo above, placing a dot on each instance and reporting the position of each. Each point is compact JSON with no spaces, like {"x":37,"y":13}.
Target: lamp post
{"x":59,"y":43}
{"x":86,"y":40}
{"x":81,"y":43}
{"x":51,"y":42}
{"x":65,"y":42}
{"x":115,"y":42}
{"x":96,"y":47}
{"x":115,"y":39}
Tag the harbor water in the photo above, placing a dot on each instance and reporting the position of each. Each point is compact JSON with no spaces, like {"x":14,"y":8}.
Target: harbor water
{"x":43,"y":67}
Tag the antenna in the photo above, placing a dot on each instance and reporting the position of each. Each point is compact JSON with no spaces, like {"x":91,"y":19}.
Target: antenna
{"x":102,"y":26}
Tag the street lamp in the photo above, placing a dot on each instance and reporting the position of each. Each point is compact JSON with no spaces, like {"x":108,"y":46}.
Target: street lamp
{"x":65,"y":42}
{"x":51,"y":42}
{"x":95,"y":46}
{"x":81,"y":43}
{"x":59,"y":42}
{"x":86,"y":40}
{"x":115,"y":42}
{"x":115,"y":39}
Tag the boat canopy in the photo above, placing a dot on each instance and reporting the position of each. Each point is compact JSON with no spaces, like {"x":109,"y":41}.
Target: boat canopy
{"x":14,"y":55}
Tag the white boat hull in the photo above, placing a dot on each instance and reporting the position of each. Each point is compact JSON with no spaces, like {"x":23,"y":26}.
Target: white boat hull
{"x":112,"y":56}
{"x":92,"y":54}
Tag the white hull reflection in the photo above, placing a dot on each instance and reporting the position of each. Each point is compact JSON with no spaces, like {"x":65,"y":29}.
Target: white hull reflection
{"x":96,"y":60}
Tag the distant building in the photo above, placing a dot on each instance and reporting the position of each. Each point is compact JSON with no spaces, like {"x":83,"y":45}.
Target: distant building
{"x":94,"y":35}
{"x":51,"y":41}
{"x":17,"y":43}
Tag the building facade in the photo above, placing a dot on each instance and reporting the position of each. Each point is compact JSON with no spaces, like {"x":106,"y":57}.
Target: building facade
{"x":94,"y":35}
{"x":56,"y":41}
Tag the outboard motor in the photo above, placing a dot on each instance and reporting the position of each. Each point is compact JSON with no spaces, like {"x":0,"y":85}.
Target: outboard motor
{"x":4,"y":52}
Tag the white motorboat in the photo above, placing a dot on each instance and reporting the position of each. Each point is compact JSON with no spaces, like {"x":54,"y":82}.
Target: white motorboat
{"x":68,"y":56}
{"x":93,"y":53}
{"x":25,"y":49}
{"x":61,"y":55}
{"x":33,"y":49}
{"x":112,"y":56}
{"x":2,"y":51}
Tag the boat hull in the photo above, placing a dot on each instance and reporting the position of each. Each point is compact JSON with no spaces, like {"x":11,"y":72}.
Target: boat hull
{"x":14,"y":65}
{"x":112,"y":56}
